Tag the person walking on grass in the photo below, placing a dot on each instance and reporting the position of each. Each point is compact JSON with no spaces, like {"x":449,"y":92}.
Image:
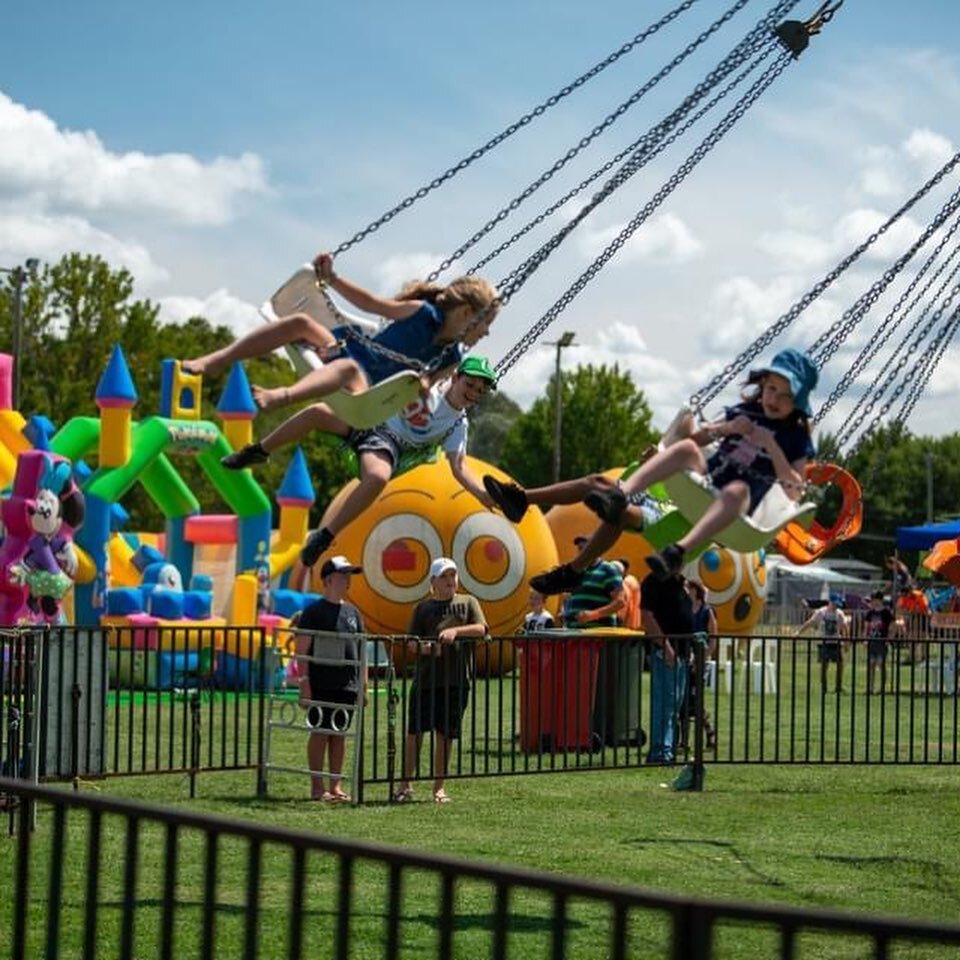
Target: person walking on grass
{"x":834,"y":632}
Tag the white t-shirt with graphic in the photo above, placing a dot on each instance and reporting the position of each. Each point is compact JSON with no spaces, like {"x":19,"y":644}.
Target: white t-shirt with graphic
{"x":430,"y":420}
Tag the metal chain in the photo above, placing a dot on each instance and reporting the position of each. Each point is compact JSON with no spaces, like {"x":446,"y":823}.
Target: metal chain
{"x":584,"y":142}
{"x":827,"y":344}
{"x":931,"y":365}
{"x":748,"y":355}
{"x":527,"y":118}
{"x":646,"y":143}
{"x":896,"y":316}
{"x":881,"y":382}
{"x":756,"y":39}
{"x":739,"y":109}
{"x":904,"y":381}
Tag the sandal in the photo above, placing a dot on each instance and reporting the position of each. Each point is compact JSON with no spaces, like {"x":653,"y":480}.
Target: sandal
{"x":403,"y":795}
{"x":441,"y":797}
{"x":339,"y":798}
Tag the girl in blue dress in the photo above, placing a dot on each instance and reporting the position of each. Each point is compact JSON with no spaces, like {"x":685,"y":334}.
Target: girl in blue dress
{"x":430,"y":323}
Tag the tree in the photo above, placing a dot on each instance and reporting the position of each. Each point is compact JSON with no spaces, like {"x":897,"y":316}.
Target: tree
{"x":606,"y":422}
{"x":490,"y":423}
{"x":76,"y":310}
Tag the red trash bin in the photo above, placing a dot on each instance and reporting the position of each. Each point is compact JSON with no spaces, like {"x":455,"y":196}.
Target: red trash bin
{"x":558,"y":680}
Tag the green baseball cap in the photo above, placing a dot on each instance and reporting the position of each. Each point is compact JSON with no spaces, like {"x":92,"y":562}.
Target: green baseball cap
{"x":478,"y":367}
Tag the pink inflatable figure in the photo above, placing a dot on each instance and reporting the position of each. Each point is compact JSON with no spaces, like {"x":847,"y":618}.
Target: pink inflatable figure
{"x":37,"y":558}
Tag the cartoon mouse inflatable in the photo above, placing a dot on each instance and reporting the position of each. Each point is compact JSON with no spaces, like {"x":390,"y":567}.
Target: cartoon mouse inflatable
{"x":50,"y":562}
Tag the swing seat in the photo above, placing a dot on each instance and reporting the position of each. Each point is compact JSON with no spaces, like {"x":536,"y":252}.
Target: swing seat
{"x":693,"y":494}
{"x":303,"y":293}
{"x":802,"y":546}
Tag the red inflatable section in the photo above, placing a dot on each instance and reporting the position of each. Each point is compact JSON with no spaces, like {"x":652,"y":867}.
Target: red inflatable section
{"x":804,"y":546}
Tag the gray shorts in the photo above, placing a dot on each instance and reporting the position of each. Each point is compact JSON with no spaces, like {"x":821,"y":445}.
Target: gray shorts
{"x":379,"y":440}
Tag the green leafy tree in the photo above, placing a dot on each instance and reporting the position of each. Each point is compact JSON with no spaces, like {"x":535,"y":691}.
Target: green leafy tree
{"x":606,"y":422}
{"x":74,"y":312}
{"x":490,"y":423}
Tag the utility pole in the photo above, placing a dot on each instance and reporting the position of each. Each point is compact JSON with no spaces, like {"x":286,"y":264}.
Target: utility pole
{"x":565,"y":340}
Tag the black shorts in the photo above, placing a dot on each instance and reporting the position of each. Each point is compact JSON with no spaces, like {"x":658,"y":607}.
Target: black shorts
{"x":377,"y":440}
{"x":830,"y":653}
{"x":334,"y":714}
{"x":437,"y":708}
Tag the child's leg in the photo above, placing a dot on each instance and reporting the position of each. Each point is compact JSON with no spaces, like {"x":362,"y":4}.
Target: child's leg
{"x":569,"y":491}
{"x":376,"y":469}
{"x":316,"y":750}
{"x":410,"y":753}
{"x":336,"y":375}
{"x":441,"y":753}
{"x":338,"y":748}
{"x":731,"y":502}
{"x":318,"y":417}
{"x":683,"y":455}
{"x":261,"y":341}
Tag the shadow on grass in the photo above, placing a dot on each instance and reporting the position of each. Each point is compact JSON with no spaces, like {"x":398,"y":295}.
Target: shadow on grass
{"x":936,"y":880}
{"x":516,"y":922}
{"x":727,"y":847}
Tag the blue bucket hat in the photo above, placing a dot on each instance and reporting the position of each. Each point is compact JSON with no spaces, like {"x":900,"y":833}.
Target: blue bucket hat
{"x":799,"y":371}
{"x":836,"y":599}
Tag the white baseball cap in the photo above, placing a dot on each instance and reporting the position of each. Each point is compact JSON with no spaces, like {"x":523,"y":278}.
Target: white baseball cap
{"x":338,"y":564}
{"x":440,"y":566}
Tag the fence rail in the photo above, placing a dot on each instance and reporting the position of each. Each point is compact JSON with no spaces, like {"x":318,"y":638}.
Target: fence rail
{"x":120,"y":702}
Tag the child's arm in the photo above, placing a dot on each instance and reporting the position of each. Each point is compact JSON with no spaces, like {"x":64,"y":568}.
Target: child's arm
{"x":790,"y":475}
{"x":711,"y":432}
{"x":362,"y":299}
{"x":466,"y":478}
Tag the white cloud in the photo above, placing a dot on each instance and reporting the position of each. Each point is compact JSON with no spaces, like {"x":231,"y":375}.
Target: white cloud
{"x":928,"y":149}
{"x":25,"y":234}
{"x":219,"y":307}
{"x":69,"y":171}
{"x":662,"y":239}
{"x":395,"y":271}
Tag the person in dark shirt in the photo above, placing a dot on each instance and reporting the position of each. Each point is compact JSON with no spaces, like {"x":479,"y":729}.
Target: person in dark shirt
{"x":441,"y":683}
{"x":666,"y":612}
{"x":330,"y":690}
{"x":877,"y":622}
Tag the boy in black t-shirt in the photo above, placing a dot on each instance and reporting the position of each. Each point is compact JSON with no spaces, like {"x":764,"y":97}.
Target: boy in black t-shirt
{"x":441,"y":683}
{"x":330,"y":691}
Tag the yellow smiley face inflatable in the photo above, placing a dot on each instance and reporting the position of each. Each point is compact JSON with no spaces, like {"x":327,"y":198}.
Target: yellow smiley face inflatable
{"x":424,"y":514}
{"x":736,"y":585}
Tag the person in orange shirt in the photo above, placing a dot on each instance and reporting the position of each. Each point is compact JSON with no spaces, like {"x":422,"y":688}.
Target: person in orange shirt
{"x":913,"y":619}
{"x":630,"y":615}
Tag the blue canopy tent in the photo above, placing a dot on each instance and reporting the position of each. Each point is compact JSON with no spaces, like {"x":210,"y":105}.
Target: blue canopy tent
{"x":924,"y":537}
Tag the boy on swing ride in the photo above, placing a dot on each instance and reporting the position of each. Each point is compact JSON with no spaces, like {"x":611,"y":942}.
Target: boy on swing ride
{"x":438,"y":418}
{"x":763,"y":440}
{"x":431,"y":324}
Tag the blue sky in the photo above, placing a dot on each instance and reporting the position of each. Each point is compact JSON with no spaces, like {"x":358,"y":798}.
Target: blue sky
{"x":213,"y":147}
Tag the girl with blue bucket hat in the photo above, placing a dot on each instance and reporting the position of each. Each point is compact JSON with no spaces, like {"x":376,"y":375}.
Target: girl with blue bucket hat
{"x":763,"y":440}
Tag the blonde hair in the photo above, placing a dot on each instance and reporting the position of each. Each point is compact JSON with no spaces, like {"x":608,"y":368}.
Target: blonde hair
{"x":475,"y":292}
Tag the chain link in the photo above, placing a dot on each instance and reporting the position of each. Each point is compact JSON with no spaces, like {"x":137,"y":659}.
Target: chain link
{"x":891,"y":322}
{"x":867,"y":401}
{"x":584,"y":142}
{"x":747,"y":356}
{"x":509,"y":131}
{"x":715,"y":135}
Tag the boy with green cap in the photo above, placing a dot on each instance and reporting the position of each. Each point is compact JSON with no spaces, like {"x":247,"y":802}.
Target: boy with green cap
{"x":437,"y":418}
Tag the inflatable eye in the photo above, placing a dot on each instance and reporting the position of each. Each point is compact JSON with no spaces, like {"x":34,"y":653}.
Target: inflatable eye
{"x":490,"y":556}
{"x":722,"y":574}
{"x":397,"y":555}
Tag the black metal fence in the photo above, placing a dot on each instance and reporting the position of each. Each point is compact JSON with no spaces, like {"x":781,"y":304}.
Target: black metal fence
{"x":131,"y":701}
{"x":112,"y":878}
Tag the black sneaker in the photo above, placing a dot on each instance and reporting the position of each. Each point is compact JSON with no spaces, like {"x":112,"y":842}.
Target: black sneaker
{"x":558,"y":580}
{"x":510,"y":498}
{"x":317,"y":542}
{"x":245,"y":457}
{"x":667,"y":562}
{"x":607,"y":504}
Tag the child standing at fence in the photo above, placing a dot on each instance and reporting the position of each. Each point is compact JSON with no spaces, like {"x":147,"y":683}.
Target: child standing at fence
{"x":330,"y":687}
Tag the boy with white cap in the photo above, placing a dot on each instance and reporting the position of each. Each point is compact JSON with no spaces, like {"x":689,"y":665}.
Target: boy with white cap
{"x":441,"y":684}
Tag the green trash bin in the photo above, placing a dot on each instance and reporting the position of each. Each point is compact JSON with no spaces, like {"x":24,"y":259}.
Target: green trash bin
{"x":617,"y":704}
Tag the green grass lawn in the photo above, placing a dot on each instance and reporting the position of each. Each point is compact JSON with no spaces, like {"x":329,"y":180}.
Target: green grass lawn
{"x":881,"y":840}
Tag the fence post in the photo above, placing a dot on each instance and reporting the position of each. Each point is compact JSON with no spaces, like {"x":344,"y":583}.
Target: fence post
{"x":699,"y":659}
{"x":262,"y":694}
{"x":194,"y":741}
{"x":692,"y":933}
{"x":76,"y":694}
